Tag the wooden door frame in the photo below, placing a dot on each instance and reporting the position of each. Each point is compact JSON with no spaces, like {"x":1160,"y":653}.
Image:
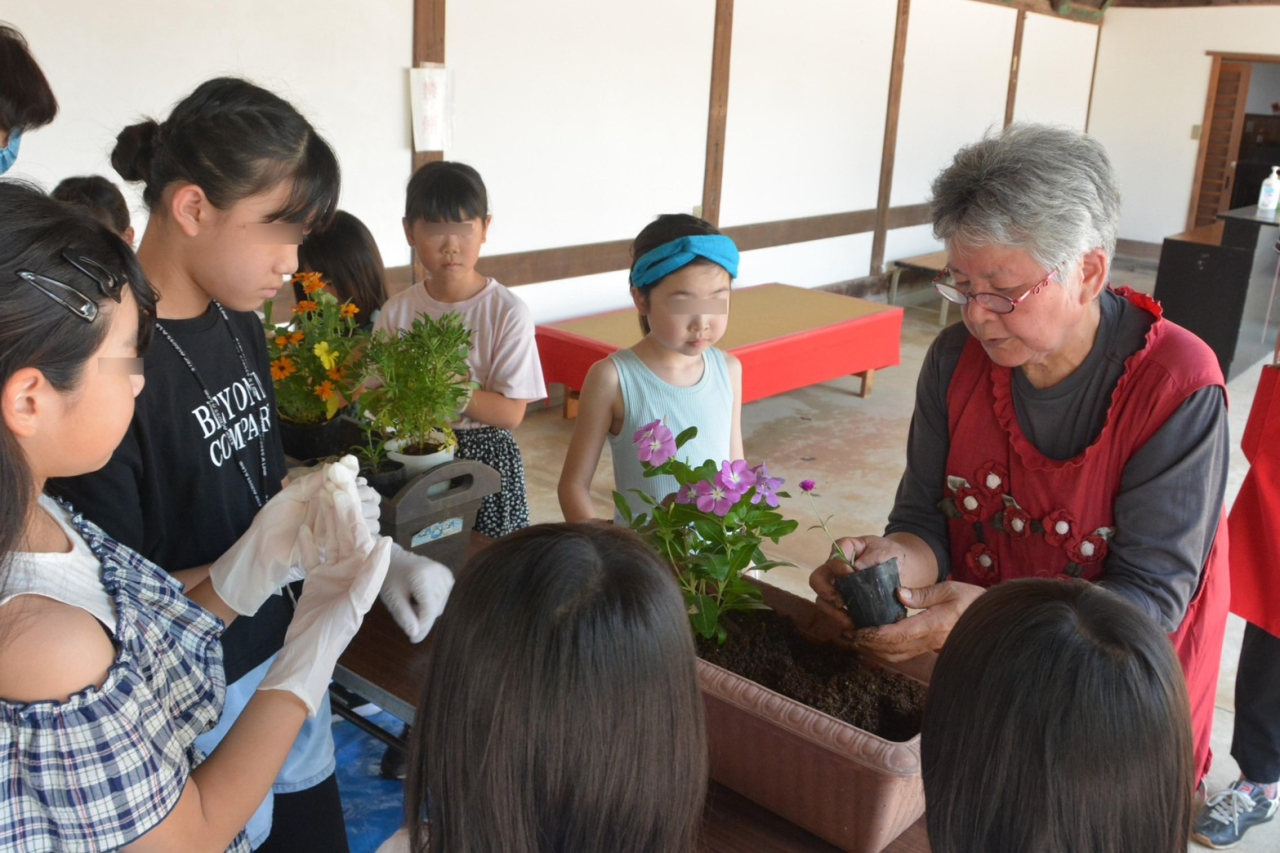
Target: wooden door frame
{"x":1209,"y":103}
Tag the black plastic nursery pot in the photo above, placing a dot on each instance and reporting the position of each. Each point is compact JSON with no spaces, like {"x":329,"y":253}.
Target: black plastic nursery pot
{"x":311,"y":441}
{"x":388,"y":479}
{"x":870,"y":595}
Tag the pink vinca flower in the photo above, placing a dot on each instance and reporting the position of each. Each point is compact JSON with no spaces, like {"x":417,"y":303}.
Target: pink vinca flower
{"x":766,"y":486}
{"x":714,"y":498}
{"x":685,"y":495}
{"x":735,"y":477}
{"x":655,"y":444}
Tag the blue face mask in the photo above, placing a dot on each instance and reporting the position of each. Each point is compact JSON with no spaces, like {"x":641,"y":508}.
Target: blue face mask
{"x":9,"y":153}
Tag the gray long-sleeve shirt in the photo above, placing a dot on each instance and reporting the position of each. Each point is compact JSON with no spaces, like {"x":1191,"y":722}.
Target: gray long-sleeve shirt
{"x":1171,"y":490}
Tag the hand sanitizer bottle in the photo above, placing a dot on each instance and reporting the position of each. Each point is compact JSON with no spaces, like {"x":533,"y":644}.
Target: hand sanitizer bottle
{"x":1269,"y":198}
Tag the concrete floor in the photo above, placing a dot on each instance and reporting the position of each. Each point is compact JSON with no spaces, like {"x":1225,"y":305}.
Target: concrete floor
{"x":854,"y":449}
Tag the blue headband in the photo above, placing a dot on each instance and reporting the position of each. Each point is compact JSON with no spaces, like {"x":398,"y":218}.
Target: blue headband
{"x":655,"y":265}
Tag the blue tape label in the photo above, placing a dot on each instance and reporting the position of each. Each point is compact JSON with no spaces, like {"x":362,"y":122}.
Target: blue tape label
{"x":439,"y":530}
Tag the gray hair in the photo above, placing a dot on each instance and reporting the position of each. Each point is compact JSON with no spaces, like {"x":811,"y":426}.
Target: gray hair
{"x":1048,"y":190}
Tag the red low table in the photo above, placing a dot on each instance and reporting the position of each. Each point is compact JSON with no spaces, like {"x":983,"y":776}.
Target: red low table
{"x":786,"y":338}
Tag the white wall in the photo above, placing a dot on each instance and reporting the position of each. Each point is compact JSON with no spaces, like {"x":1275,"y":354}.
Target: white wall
{"x":1057,"y":68}
{"x":111,"y":63}
{"x":954,"y":86}
{"x":1152,"y":80}
{"x":1264,"y":88}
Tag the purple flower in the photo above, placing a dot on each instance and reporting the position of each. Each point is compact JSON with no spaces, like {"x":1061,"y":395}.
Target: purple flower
{"x":735,"y":476}
{"x":655,"y":443}
{"x":685,"y":495}
{"x":765,"y":486}
{"x":714,"y":498}
{"x":808,"y":485}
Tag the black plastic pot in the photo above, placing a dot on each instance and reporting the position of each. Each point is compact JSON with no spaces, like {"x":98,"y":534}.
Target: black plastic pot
{"x":311,"y":441}
{"x":388,"y":479}
{"x":870,"y":595}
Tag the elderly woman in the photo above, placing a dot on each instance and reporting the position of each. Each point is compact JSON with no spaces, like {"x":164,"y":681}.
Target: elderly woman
{"x":1065,"y":430}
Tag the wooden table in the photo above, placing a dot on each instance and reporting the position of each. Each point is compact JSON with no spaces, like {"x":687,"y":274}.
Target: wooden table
{"x":786,"y":338}
{"x":385,"y":668}
{"x":930,"y":264}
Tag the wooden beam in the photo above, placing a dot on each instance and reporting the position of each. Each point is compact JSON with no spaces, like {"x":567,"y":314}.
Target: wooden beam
{"x":531,"y":267}
{"x":1084,"y":11}
{"x":428,"y":46}
{"x":1244,"y":57}
{"x":1183,"y":4}
{"x":1014,"y":63}
{"x":890,"y":136}
{"x":717,"y":112}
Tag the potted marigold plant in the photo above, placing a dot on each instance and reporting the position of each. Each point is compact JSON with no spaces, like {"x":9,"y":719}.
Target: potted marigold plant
{"x":797,"y":720}
{"x":315,"y":367}
{"x":420,"y":383}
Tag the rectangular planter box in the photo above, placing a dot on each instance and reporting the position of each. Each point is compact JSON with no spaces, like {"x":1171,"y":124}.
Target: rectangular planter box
{"x":843,"y":784}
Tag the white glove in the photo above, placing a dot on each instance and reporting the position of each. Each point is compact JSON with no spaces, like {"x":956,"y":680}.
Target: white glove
{"x":295,"y":531}
{"x":335,"y":598}
{"x":415,"y":591}
{"x":370,"y":506}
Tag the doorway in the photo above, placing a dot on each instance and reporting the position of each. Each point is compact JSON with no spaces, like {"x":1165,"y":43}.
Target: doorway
{"x":1240,"y":136}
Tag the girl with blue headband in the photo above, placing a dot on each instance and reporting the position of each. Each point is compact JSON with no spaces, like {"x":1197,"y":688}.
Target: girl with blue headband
{"x":681,"y":272}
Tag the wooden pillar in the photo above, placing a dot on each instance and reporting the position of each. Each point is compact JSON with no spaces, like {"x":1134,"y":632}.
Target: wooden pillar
{"x":1014,"y":65}
{"x":717,"y":112}
{"x":890,"y":136}
{"x":428,"y":46}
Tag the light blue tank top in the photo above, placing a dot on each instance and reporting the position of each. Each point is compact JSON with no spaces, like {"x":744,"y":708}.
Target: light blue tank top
{"x":708,"y":405}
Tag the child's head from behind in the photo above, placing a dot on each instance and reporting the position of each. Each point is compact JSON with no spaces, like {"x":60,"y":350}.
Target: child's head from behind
{"x":233,"y":178}
{"x":346,"y":254}
{"x":681,"y":270}
{"x":446,"y":219}
{"x":561,"y":709}
{"x":75,"y":311}
{"x":1057,"y":719}
{"x":101,"y":199}
{"x":26,"y":101}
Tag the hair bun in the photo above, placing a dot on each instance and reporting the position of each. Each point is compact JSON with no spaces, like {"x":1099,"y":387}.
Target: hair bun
{"x":134,"y":148}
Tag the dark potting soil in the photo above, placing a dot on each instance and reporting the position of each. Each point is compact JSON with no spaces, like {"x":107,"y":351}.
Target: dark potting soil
{"x":767,"y":649}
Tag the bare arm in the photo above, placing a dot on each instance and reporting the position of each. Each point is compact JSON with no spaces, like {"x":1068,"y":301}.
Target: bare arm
{"x":490,"y":407}
{"x":600,"y":391}
{"x":228,"y":787}
{"x":735,"y":427}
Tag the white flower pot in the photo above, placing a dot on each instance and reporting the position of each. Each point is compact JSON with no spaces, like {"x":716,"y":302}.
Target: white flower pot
{"x":415,"y":465}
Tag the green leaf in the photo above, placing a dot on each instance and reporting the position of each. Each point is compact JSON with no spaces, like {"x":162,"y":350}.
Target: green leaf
{"x":682,"y":438}
{"x":624,"y":509}
{"x":704,"y":615}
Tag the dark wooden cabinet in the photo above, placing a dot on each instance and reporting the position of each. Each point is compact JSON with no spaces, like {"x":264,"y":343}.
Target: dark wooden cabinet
{"x":1218,"y":281}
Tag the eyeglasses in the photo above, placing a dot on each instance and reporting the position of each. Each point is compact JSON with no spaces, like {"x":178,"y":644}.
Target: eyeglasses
{"x":994,"y":302}
{"x":69,"y":297}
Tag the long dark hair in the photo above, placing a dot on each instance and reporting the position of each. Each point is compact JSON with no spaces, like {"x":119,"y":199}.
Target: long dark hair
{"x":26,"y":101}
{"x":666,"y":228}
{"x":347,"y":256}
{"x":1057,"y":720}
{"x":561,"y":710}
{"x":233,"y":140}
{"x":39,"y":234}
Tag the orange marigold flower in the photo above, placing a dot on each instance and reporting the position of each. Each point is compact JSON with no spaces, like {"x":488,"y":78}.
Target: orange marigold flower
{"x":312,"y":282}
{"x":282,"y":341}
{"x":282,"y":368}
{"x":335,"y":374}
{"x":297,"y":337}
{"x":305,"y":305}
{"x":324,"y":390}
{"x":349,"y":310}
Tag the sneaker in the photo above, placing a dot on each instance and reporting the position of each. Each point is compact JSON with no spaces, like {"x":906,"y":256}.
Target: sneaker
{"x":1228,"y":815}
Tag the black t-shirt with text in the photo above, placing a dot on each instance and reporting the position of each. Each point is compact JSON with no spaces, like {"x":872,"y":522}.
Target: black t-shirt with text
{"x":173,"y":490}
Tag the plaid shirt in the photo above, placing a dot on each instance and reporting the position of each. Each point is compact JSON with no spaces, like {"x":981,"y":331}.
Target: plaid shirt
{"x":99,"y":770}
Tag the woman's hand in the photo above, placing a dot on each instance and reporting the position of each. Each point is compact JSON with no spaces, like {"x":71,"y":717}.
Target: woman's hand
{"x":869,"y":551}
{"x":927,"y":631}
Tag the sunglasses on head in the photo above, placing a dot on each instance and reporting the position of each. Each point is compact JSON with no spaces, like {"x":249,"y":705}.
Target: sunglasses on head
{"x":71,"y":298}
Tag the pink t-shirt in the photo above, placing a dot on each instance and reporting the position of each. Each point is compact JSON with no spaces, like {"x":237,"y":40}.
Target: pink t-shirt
{"x":504,"y":353}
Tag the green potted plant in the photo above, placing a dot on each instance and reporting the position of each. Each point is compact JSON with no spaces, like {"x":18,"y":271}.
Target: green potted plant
{"x":420,"y":384}
{"x":315,"y":368}
{"x":781,"y":685}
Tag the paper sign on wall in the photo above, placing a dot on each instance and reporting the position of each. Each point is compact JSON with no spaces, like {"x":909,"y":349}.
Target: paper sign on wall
{"x":430,"y":108}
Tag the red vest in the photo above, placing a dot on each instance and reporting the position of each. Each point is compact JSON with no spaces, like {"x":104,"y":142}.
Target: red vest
{"x":1015,"y":513}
